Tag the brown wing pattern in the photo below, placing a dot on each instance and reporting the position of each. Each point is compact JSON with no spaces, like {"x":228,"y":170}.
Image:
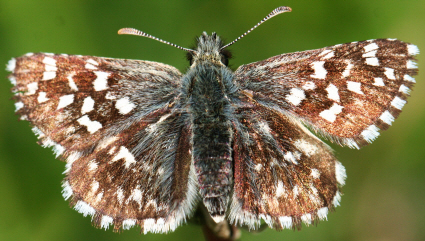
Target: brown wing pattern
{"x":115,"y":123}
{"x":347,"y":92}
{"x":283,"y":174}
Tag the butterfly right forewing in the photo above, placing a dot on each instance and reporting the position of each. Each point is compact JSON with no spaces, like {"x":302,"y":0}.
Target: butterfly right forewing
{"x":347,"y":92}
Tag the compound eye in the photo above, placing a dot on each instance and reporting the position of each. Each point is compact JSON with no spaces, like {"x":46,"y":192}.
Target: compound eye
{"x":189,"y":57}
{"x":224,"y":60}
{"x":225,"y":56}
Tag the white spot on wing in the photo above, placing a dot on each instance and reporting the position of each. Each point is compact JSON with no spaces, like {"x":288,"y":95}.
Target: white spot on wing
{"x":347,"y":70}
{"x":355,"y":87}
{"x":106,"y":142}
{"x":67,"y":190}
{"x":369,"y":54}
{"x":11,"y":65}
{"x":333,"y":92}
{"x":84,"y":208}
{"x":12,"y":80}
{"x":120,"y":195}
{"x":71,"y":82}
{"x":90,"y":66}
{"x":92,"y":61}
{"x":328,"y":54}
{"x":264,"y":127}
{"x":409,"y":78}
{"x":88,"y":105}
{"x":322,"y":213}
{"x":404,"y":89}
{"x":412,"y":49}
{"x":18,"y":105}
{"x":331,"y":113}
{"x":306,"y":218}
{"x":319,"y":70}
{"x":398,"y":103}
{"x":92,"y":165}
{"x":136,"y":195}
{"x":101,"y":82}
{"x":372,"y":61}
{"x":378,"y":82}
{"x":285,"y":222}
{"x":340,"y":173}
{"x":65,"y":100}
{"x":92,"y":126}
{"x":94,"y":186}
{"x":387,"y":117}
{"x":280,"y":190}
{"x":258,"y":167}
{"x":128,"y":223}
{"x":106,"y":221}
{"x":370,"y":134}
{"x":389,"y":73}
{"x":124,"y":105}
{"x":42,"y":97}
{"x":295,"y":96}
{"x":123,"y":153}
{"x":370,"y":47}
{"x":411,"y":65}
{"x":50,"y":64}
{"x":315,"y":173}
{"x":32,"y":88}
{"x":309,"y":85}
{"x":337,"y":199}
{"x":307,"y":148}
{"x":295,"y":191}
{"x":290,"y":157}
{"x":48,"y":75}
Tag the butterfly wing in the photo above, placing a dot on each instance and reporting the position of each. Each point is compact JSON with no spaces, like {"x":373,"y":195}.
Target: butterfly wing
{"x":346,"y":92}
{"x":115,"y":123}
{"x":283,"y":173}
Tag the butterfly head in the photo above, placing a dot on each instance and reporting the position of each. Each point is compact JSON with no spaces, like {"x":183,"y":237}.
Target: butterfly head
{"x":209,"y":49}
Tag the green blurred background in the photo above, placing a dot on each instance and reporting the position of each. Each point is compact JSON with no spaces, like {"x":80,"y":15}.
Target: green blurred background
{"x":385,"y":190}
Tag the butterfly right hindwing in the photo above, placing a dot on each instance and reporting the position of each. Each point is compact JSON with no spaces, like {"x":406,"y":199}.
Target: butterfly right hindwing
{"x":283,"y":174}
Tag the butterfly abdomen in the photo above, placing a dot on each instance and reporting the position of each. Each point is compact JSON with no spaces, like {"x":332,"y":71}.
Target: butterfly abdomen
{"x":212,"y":135}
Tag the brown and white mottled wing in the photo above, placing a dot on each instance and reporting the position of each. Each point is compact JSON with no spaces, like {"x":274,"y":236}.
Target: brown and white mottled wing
{"x":347,"y":92}
{"x":114,"y":123}
{"x":284,"y":175}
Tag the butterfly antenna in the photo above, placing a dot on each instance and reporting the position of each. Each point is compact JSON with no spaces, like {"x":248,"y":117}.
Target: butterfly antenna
{"x":132,"y":31}
{"x":275,"y":12}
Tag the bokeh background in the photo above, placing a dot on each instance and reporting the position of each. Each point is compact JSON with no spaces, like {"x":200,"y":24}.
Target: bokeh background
{"x":385,"y":191}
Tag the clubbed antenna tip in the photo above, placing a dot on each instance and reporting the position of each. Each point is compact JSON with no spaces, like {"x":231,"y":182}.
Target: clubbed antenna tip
{"x":132,"y":31}
{"x":275,"y":12}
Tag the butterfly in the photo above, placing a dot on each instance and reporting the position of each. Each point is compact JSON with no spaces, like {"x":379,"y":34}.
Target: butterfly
{"x":146,"y":145}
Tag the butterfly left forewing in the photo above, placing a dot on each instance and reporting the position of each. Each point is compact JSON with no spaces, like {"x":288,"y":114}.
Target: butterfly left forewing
{"x":347,"y":92}
{"x":69,"y":98}
{"x":118,"y":126}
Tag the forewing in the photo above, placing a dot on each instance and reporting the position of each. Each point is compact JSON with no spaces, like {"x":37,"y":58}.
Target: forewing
{"x":283,"y":174}
{"x":115,"y":123}
{"x":347,"y":92}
